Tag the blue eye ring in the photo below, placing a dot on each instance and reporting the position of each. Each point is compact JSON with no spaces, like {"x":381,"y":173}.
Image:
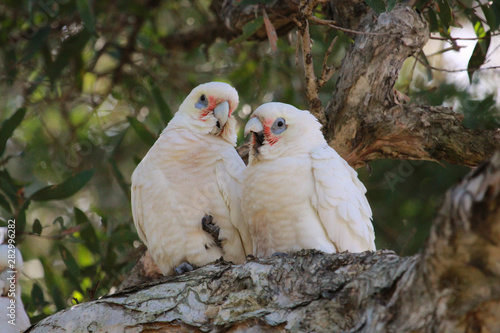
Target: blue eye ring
{"x":202,"y":102}
{"x":279,"y":126}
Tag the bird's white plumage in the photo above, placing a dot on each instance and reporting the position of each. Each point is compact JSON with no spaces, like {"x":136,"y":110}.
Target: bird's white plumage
{"x":11,"y":321}
{"x":298,"y":193}
{"x":187,"y":174}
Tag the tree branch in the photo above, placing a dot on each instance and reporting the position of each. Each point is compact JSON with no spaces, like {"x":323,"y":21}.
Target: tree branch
{"x":312,"y":88}
{"x":421,"y":133}
{"x":458,"y":272}
{"x":229,"y":19}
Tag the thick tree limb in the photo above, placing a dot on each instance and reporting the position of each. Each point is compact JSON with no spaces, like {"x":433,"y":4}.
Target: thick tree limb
{"x":451,"y":287}
{"x":419,"y":132}
{"x":458,"y":271}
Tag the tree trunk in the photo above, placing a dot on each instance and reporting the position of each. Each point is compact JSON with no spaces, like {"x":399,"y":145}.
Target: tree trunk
{"x":451,"y":286}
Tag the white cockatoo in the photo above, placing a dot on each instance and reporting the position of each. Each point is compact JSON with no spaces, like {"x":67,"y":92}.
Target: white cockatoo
{"x":298,"y":193}
{"x":13,"y":316}
{"x":193,"y":173}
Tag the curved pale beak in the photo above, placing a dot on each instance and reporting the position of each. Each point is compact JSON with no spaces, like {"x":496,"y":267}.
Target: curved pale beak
{"x":254,"y":125}
{"x":221,"y":112}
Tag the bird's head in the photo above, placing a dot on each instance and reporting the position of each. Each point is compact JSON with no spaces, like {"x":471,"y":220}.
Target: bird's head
{"x":280,"y":129}
{"x":208,"y":109}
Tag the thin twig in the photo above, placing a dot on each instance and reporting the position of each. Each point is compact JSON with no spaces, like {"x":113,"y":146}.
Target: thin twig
{"x":315,"y":106}
{"x":451,"y":48}
{"x":297,"y":47}
{"x":327,"y":71}
{"x":455,"y":70}
{"x":332,"y":25}
{"x":464,"y":38}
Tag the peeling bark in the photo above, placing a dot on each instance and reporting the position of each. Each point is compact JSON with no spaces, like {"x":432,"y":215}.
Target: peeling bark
{"x":418,"y":132}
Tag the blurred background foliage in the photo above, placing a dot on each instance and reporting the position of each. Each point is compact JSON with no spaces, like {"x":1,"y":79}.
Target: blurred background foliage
{"x":87,"y":86}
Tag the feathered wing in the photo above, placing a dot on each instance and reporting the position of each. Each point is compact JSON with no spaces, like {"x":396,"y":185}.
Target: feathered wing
{"x":229,"y":180}
{"x":340,"y":201}
{"x":137,"y":211}
{"x":158,"y":219}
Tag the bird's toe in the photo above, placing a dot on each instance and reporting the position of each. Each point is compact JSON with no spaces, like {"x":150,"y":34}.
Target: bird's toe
{"x":183,"y":268}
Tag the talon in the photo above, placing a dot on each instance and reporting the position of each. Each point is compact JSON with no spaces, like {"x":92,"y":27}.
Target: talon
{"x":212,"y":229}
{"x":183,"y":268}
{"x":280,"y":254}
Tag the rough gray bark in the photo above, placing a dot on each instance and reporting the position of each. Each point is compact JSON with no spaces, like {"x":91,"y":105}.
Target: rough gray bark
{"x":452,"y":286}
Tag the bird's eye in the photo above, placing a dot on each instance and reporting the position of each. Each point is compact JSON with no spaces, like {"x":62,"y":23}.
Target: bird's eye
{"x":279,"y":126}
{"x":202,"y":102}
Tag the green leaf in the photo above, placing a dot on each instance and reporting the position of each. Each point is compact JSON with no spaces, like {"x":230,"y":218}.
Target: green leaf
{"x":86,"y":14}
{"x":21,"y":218}
{"x":9,"y":66}
{"x":65,"y":189}
{"x":490,"y":16}
{"x":5,"y":204}
{"x":495,"y":7}
{"x":59,"y":220}
{"x":37,"y":227}
{"x":37,"y":296}
{"x":70,"y":49}
{"x":377,"y":5}
{"x":123,"y":235}
{"x":87,"y":234}
{"x":480,"y":50}
{"x":433,"y":20}
{"x":444,"y":12}
{"x":8,"y":186}
{"x":69,"y":261}
{"x":163,"y":108}
{"x":52,"y":284}
{"x":36,"y":43}
{"x":391,"y":4}
{"x":248,"y":30}
{"x":423,"y":57}
{"x":8,"y":127}
{"x":142,"y":131}
{"x":120,"y":178}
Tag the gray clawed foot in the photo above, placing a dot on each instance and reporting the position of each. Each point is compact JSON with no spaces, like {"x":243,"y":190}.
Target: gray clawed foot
{"x":183,"y":268}
{"x":280,"y":254}
{"x":212,"y":229}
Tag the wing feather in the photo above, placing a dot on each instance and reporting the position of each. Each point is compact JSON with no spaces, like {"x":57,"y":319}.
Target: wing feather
{"x":228,"y":174}
{"x":137,"y":210}
{"x":340,"y":201}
